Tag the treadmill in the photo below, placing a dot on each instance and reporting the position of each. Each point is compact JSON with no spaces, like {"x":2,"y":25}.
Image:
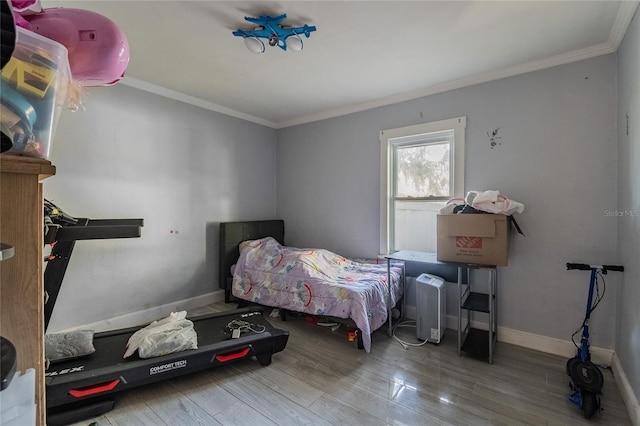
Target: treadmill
{"x":84,"y":387}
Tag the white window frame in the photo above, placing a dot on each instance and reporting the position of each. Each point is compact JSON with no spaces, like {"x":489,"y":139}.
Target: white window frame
{"x":390,"y":139}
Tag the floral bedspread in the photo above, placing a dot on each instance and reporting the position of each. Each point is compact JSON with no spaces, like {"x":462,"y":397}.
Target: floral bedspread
{"x":316,"y":282}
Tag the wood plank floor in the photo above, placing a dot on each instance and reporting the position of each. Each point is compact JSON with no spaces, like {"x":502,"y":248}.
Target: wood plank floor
{"x":322,"y":379}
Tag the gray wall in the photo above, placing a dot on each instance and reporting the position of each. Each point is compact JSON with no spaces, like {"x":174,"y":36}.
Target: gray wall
{"x":628,"y":315}
{"x":182,"y":169}
{"x":558,"y":155}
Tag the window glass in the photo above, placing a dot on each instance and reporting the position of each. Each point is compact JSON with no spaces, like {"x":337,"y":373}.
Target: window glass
{"x":423,"y":171}
{"x":422,"y":166}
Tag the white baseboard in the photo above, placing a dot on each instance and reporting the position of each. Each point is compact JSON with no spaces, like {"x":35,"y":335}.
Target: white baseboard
{"x":146,"y":316}
{"x":628,"y":396}
{"x":566,"y":349}
{"x":538,"y":342}
{"x":551,"y":345}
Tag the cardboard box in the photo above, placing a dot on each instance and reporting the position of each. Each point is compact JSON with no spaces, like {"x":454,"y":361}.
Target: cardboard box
{"x":481,"y":239}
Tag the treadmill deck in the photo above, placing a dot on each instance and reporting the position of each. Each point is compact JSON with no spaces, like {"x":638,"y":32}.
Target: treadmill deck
{"x":105,"y":371}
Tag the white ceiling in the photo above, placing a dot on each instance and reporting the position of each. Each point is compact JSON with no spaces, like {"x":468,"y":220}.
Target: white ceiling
{"x":364,"y":53}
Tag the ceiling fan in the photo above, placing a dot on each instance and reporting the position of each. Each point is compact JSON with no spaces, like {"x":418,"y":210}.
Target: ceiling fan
{"x":271,"y":29}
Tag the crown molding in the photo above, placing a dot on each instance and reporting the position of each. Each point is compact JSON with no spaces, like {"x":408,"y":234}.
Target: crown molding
{"x":624,"y":16}
{"x":192,"y":100}
{"x":565,"y":58}
{"x":626,"y":11}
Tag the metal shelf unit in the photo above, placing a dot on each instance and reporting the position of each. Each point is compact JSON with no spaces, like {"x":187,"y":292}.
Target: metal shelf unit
{"x":474,"y":340}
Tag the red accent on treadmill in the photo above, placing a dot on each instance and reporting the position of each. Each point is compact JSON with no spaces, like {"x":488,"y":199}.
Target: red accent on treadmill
{"x":92,"y":390}
{"x":234,"y":355}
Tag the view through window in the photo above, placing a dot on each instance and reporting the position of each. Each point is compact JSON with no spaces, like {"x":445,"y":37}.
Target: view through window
{"x":422,"y":167}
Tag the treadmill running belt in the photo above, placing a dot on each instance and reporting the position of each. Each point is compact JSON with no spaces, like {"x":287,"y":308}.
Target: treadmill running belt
{"x":104,"y":372}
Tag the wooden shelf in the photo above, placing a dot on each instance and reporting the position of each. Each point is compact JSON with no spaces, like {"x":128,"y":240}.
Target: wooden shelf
{"x":27,"y":165}
{"x":21,"y":276}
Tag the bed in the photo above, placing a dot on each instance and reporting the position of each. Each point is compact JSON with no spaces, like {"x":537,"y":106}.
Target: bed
{"x":310,"y":281}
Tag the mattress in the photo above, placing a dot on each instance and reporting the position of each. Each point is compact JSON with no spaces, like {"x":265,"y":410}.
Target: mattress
{"x":317,"y":282}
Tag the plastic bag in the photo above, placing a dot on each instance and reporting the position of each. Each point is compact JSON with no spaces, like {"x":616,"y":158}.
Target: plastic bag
{"x":172,"y":334}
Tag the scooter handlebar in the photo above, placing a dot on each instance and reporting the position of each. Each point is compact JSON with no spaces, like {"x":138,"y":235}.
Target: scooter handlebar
{"x":618,"y":268}
{"x":581,"y":266}
{"x":604,"y":268}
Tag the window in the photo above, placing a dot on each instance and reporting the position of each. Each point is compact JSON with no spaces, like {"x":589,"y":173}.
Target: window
{"x":422,"y":167}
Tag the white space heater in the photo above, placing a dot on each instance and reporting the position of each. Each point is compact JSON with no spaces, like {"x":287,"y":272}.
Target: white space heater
{"x":431,"y":302}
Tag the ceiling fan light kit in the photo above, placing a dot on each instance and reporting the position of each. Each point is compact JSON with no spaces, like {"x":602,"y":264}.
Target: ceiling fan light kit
{"x":271,"y":29}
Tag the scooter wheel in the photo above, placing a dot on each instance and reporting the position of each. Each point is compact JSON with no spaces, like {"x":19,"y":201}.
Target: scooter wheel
{"x":590,"y":404}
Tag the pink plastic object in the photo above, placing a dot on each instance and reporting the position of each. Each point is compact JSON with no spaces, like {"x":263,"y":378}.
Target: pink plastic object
{"x":21,"y":22}
{"x":98,"y":49}
{"x":22,"y":5}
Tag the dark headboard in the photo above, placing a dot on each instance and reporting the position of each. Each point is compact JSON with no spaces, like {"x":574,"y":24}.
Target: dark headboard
{"x":232,"y":234}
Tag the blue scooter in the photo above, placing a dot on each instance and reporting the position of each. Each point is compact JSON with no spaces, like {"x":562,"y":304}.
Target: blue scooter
{"x":586,"y":379}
